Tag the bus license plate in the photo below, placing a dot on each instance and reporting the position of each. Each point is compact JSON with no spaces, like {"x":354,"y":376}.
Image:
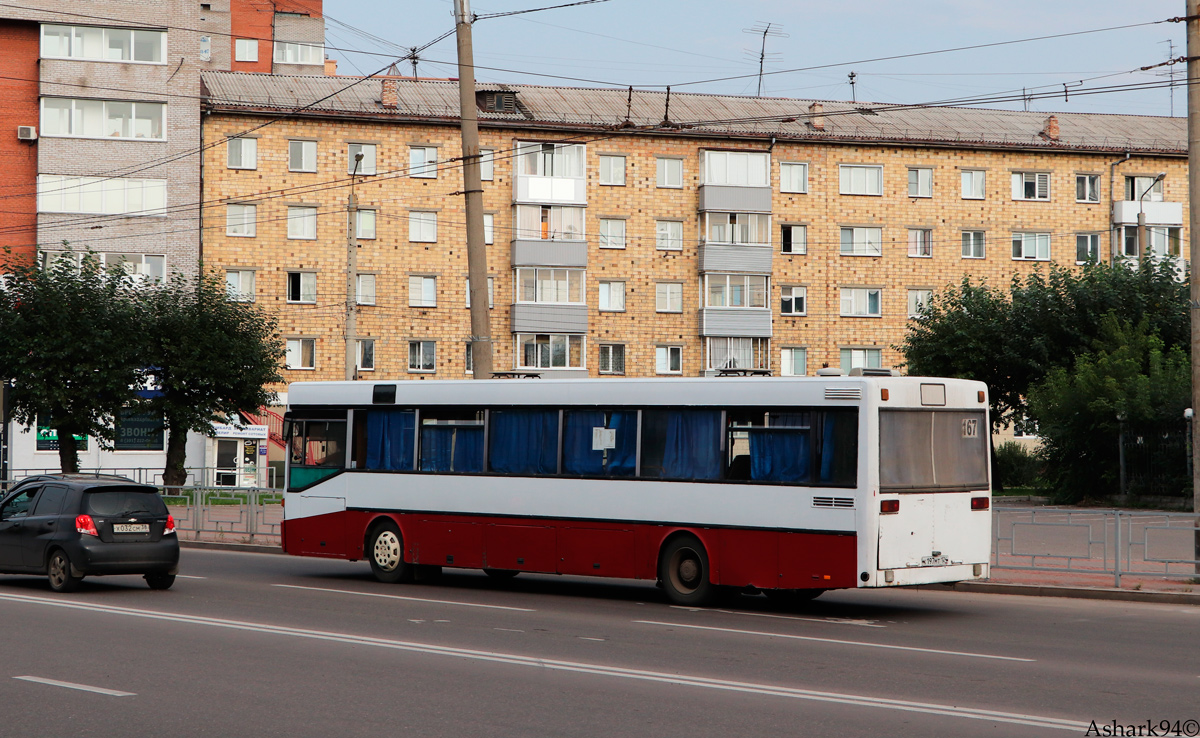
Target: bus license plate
{"x":935,"y":560}
{"x":131,"y":528}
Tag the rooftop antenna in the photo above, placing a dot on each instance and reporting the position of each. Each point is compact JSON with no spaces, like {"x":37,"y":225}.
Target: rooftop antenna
{"x":764,"y":29}
{"x":1169,"y":72}
{"x":853,"y":96}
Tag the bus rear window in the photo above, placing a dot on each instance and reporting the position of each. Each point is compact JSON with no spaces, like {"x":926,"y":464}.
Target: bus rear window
{"x":922,"y":450}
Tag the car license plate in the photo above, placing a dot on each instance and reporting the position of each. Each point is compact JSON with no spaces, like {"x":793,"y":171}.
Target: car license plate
{"x":935,"y":560}
{"x":131,"y":527}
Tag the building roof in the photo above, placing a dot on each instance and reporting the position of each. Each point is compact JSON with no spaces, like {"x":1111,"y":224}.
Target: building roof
{"x":693,"y":114}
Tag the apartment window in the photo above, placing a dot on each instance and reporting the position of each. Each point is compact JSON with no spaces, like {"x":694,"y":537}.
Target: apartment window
{"x":668,"y":359}
{"x":245,"y":49}
{"x":365,"y":292}
{"x":549,"y":223}
{"x":1164,"y":241}
{"x":861,"y":302}
{"x":550,"y":160}
{"x":422,"y":291}
{"x":972,"y":244}
{"x":670,"y":173}
{"x":491,"y":287}
{"x":367,"y":165}
{"x":612,"y":233}
{"x":917,"y":301}
{"x":301,"y":353}
{"x":973,"y":184}
{"x":920,"y":182}
{"x":240,"y":220}
{"x":793,"y":177}
{"x":794,"y":239}
{"x":857,"y":241}
{"x":864,"y":358}
{"x":612,"y":170}
{"x":243,"y":153}
{"x":422,"y":356}
{"x":738,"y":353}
{"x":103,"y":44}
{"x":111,"y":196}
{"x":738,"y":228}
{"x":469,"y":358}
{"x":136,"y":267}
{"x":302,"y":222}
{"x":737,"y":168}
{"x":736,"y":290}
{"x":422,"y":161}
{"x":301,"y":287}
{"x":239,"y":284}
{"x":612,"y":296}
{"x":364,"y":225}
{"x":612,"y":358}
{"x":1136,"y":186}
{"x":793,"y":300}
{"x":302,"y":156}
{"x":287,"y":52}
{"x":1087,"y":188}
{"x":920,"y":242}
{"x":793,"y":362}
{"x":860,"y":180}
{"x":366,"y":355}
{"x":1031,"y":246}
{"x":422,"y":226}
{"x":1087,"y":248}
{"x":668,"y":297}
{"x":550,"y":285}
{"x":487,"y":164}
{"x":489,"y":228}
{"x":549,"y":351}
{"x":1031,"y":186}
{"x":668,"y":235}
{"x":107,"y":119}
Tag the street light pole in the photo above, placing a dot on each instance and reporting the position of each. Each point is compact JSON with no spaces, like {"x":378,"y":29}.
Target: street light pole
{"x":1143,"y":246}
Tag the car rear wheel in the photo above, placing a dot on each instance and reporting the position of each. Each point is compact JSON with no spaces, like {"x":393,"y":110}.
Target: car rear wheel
{"x":159,"y":581}
{"x":386,"y":553}
{"x":59,"y":570}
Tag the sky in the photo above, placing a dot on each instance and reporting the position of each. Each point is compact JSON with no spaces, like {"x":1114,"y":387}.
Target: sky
{"x":654,"y":43}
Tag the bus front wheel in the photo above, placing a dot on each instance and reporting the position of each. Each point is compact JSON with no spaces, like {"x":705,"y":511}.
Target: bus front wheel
{"x":386,"y":549}
{"x":683,"y":571}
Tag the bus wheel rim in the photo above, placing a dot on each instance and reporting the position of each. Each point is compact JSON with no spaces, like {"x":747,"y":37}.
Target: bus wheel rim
{"x":387,"y":550}
{"x":686,"y":571}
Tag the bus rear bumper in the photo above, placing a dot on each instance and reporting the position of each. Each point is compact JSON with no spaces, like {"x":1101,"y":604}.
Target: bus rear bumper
{"x":927,"y":575}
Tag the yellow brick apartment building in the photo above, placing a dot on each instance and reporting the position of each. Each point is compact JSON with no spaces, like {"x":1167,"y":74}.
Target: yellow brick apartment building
{"x":635,"y":234}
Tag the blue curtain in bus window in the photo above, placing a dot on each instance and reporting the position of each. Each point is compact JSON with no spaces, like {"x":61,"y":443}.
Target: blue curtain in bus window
{"x":693,"y":447}
{"x":452,"y":448}
{"x":524,"y":441}
{"x":578,"y":456}
{"x":779,"y":455}
{"x":390,"y":439}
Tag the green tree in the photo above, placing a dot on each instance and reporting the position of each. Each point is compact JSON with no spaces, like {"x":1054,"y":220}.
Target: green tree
{"x":69,"y":344}
{"x":1131,"y":376}
{"x":209,"y":356}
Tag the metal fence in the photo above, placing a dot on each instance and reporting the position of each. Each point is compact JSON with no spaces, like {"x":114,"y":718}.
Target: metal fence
{"x":1114,"y":542}
{"x":225,"y":514}
{"x":196,"y":475}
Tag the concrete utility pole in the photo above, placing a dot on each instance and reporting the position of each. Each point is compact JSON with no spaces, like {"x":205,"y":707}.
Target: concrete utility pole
{"x":352,"y":277}
{"x":1193,"y":129}
{"x":481,"y":329}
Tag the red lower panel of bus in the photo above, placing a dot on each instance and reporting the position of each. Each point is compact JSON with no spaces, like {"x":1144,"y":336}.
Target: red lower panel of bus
{"x":765,"y":559}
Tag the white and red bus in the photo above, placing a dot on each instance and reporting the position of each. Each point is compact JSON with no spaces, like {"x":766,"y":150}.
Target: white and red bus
{"x":786,"y":485}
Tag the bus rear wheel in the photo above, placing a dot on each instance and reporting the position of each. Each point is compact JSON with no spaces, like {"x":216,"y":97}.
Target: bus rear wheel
{"x":386,"y":552}
{"x":683,"y":571}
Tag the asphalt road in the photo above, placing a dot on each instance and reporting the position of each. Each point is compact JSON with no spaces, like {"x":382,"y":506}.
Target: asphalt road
{"x":260,"y":645}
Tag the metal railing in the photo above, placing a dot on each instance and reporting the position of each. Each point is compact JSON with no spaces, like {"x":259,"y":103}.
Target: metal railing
{"x":196,"y":475}
{"x":227,"y":514}
{"x":1113,"y":542}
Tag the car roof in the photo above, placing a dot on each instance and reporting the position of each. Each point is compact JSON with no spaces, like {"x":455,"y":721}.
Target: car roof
{"x":89,"y":480}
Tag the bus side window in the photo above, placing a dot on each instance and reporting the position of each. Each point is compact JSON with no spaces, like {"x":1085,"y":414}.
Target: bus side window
{"x":451,"y":440}
{"x":523,"y":441}
{"x":580,"y":455}
{"x":839,"y":448}
{"x":385,"y":440}
{"x":319,"y":443}
{"x":681,"y":444}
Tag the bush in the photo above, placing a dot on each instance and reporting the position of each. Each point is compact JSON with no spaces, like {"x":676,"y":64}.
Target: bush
{"x":1017,"y":466}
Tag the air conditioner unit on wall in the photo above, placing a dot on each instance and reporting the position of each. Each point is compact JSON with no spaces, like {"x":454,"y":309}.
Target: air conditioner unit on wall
{"x":27,"y":133}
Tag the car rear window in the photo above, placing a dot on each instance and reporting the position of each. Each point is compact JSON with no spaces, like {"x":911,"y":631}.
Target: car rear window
{"x":121,"y":502}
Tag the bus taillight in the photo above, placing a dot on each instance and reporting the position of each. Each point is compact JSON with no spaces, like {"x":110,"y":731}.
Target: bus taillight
{"x":889,"y":506}
{"x":980,"y":503}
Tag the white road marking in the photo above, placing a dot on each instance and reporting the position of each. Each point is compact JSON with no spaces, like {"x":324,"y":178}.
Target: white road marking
{"x":185,"y":576}
{"x":73,"y":685}
{"x":401,"y":597}
{"x":509,"y":630}
{"x":834,"y":640}
{"x":585,"y":638}
{"x":761,"y":689}
{"x":835,"y":621}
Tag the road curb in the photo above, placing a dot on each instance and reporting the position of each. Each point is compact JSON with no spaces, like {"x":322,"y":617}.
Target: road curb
{"x":1079,"y":593}
{"x":220,"y":546}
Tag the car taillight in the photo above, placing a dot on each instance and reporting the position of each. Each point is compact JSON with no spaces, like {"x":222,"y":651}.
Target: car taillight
{"x":980,"y":503}
{"x":85,"y":525}
{"x":889,"y":506}
{"x":169,"y":530}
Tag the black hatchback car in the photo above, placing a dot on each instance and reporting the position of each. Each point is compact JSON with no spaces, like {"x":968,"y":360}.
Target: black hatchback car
{"x":69,"y":526}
